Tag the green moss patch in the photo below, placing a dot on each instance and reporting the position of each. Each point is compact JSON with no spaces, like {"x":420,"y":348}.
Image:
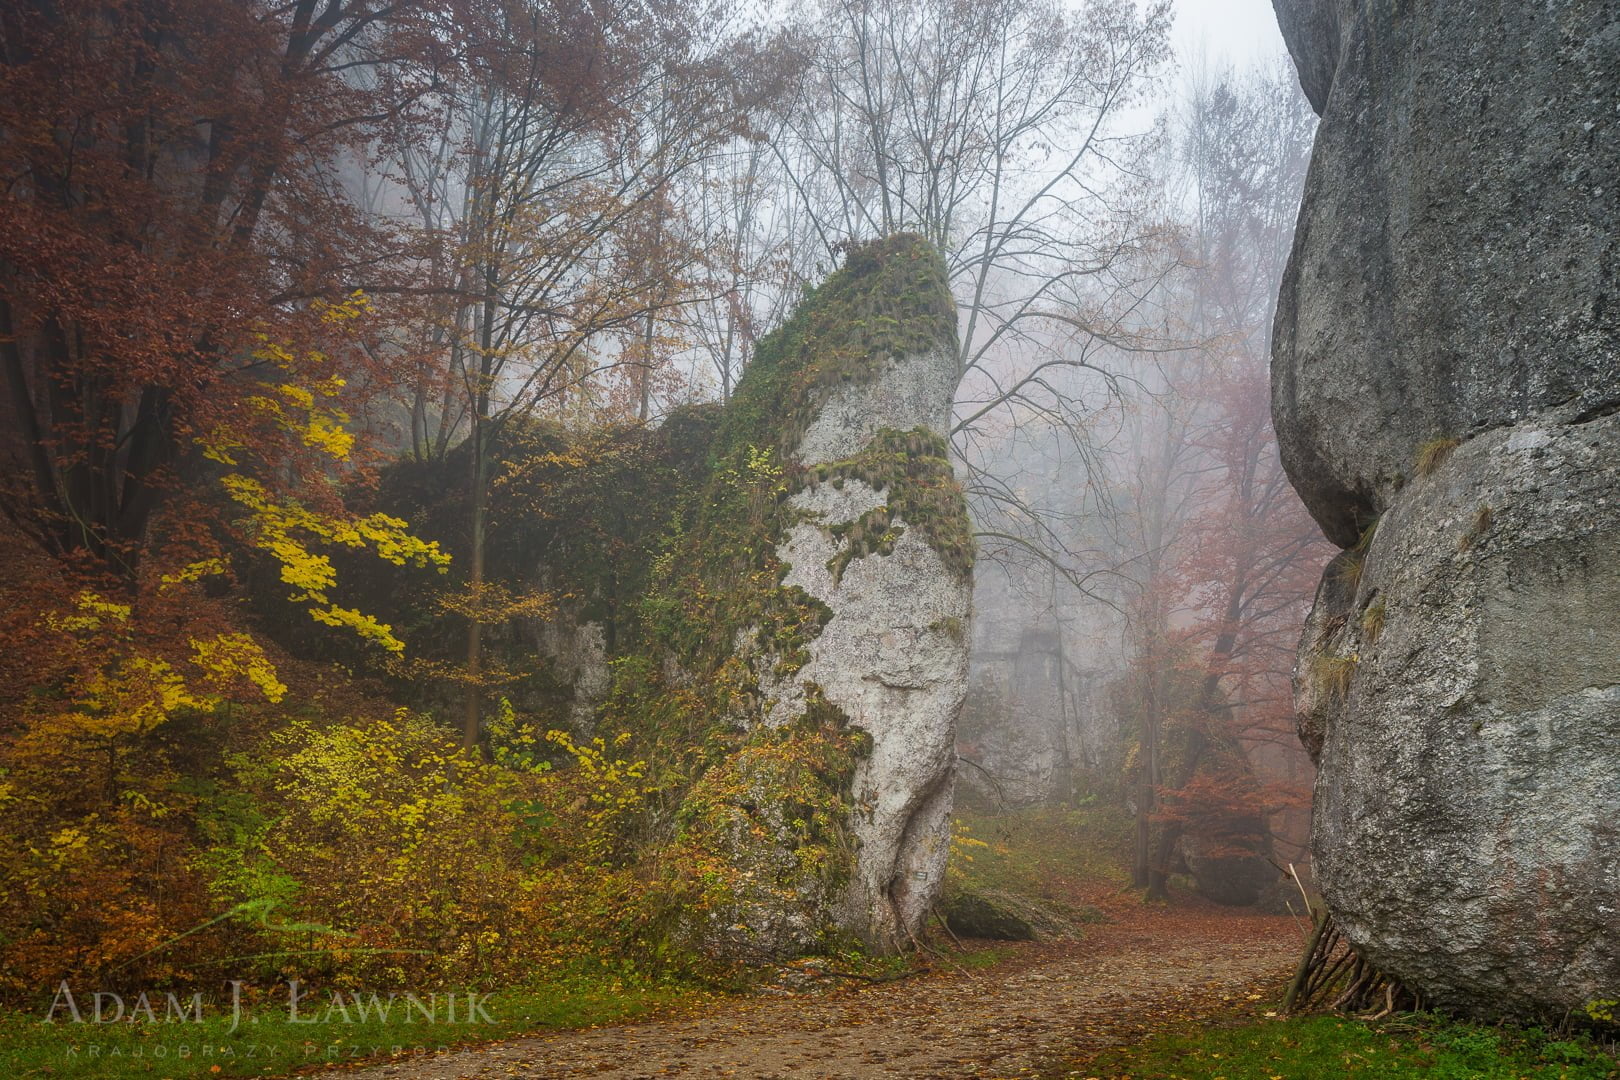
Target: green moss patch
{"x":890,"y":298}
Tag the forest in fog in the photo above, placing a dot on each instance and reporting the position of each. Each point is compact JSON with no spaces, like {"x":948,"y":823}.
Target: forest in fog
{"x":602,"y":499}
{"x":257,"y":254}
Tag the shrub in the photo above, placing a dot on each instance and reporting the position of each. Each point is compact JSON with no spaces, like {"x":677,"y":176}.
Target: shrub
{"x":379,"y":853}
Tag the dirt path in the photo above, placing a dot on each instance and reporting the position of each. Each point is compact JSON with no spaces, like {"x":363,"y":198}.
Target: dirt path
{"x":1140,"y":971}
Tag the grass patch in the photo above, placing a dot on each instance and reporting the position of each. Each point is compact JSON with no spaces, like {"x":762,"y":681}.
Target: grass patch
{"x":1354,"y":560}
{"x":1433,"y":454}
{"x":1372,"y":621}
{"x":1332,"y":675}
{"x":1044,"y":853}
{"x":1020,"y":874}
{"x":1349,"y":570}
{"x":1335,"y":1048}
{"x":267,"y":1043}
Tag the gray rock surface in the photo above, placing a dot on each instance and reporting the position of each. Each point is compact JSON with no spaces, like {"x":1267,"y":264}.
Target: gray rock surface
{"x":1453,"y":277}
{"x":906,"y":392}
{"x":1467,"y":827}
{"x":893,"y":657}
{"x":1454,"y":266}
{"x":578,"y":655}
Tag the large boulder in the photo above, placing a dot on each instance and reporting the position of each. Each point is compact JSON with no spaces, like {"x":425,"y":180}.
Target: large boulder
{"x":1446,"y":390}
{"x":1455,"y":258}
{"x":1459,"y":685}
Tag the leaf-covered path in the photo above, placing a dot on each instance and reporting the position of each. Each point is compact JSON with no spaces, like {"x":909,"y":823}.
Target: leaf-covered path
{"x":1144,"y":969}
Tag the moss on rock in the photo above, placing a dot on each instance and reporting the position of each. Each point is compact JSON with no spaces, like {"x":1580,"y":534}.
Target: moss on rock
{"x":890,"y":298}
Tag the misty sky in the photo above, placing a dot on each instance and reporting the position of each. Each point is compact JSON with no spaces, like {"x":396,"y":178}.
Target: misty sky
{"x":1236,"y":30}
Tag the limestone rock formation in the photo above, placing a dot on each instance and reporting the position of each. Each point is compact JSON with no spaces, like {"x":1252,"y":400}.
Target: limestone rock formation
{"x":1455,"y":258}
{"x":860,"y":607}
{"x":892,"y":658}
{"x":768,"y":601}
{"x":1446,"y":390}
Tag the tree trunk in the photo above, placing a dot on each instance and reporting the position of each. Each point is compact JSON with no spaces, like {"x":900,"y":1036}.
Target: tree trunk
{"x":472,"y":704}
{"x":1147,"y":785}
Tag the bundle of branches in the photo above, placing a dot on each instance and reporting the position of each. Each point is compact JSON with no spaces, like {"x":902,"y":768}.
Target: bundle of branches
{"x":1332,"y":976}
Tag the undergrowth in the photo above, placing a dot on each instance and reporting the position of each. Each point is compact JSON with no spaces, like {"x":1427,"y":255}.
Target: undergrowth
{"x":1043,"y":853}
{"x":1338,"y":1048}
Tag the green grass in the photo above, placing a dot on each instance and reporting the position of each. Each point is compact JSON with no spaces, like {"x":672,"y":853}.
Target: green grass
{"x":267,"y":1043}
{"x":1335,"y":1048}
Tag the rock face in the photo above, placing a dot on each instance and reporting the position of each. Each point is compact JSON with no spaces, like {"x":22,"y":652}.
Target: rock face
{"x":1454,"y":265}
{"x":766,"y":602}
{"x":1462,"y":695}
{"x":860,"y":605}
{"x":1447,"y":396}
{"x":893,"y":658}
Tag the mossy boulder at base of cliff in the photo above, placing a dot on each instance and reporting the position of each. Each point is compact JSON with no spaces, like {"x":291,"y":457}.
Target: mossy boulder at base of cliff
{"x":974,"y":915}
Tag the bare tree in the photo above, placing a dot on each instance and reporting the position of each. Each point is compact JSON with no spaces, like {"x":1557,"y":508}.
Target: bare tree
{"x":573,"y":129}
{"x":1001,"y":132}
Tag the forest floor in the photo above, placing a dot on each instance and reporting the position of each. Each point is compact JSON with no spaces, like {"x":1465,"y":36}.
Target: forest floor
{"x":1145,"y":968}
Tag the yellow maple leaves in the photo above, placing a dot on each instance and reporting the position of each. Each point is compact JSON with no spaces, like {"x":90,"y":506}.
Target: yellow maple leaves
{"x":303,"y":406}
{"x":282,"y":527}
{"x":138,"y":691}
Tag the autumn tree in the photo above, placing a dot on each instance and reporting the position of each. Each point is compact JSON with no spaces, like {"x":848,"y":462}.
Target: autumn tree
{"x":172,"y":197}
{"x":1226,"y":550}
{"x":1248,"y":557}
{"x":569,"y":249}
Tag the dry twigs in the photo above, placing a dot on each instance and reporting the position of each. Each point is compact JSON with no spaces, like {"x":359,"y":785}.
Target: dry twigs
{"x":1332,"y":975}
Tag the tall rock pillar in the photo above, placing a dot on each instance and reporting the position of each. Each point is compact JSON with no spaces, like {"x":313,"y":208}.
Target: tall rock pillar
{"x":834,"y":553}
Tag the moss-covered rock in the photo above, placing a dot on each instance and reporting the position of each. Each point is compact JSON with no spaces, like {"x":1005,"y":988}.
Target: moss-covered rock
{"x":825,"y":570}
{"x":768,"y":603}
{"x":972,"y":914}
